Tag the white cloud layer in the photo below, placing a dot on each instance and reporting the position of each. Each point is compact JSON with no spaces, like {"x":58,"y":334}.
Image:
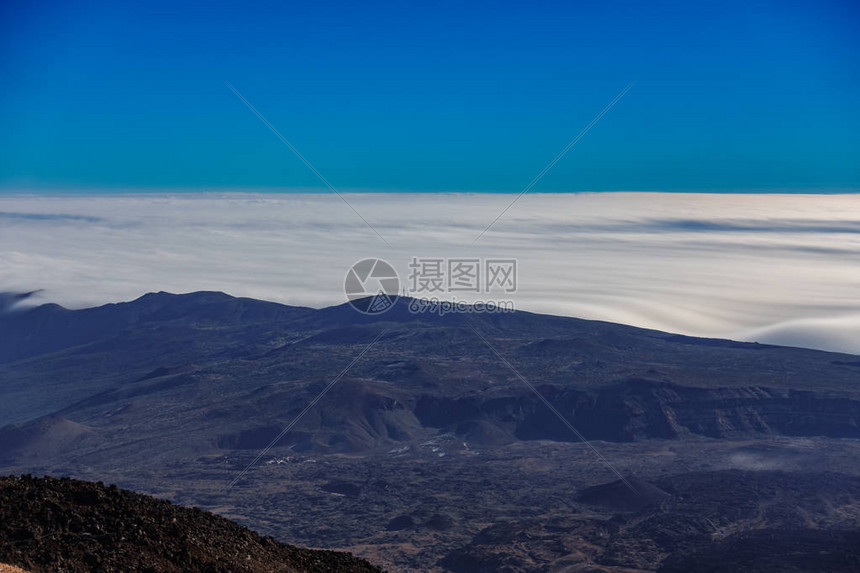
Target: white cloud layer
{"x":773,"y":268}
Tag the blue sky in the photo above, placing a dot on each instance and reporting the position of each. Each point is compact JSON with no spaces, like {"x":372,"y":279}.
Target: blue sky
{"x":441,"y":96}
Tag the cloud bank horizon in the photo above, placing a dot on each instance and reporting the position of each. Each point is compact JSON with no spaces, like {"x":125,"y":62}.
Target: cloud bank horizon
{"x":780,"y":269}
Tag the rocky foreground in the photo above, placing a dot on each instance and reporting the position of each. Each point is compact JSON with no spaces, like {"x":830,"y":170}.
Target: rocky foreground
{"x":65,"y":525}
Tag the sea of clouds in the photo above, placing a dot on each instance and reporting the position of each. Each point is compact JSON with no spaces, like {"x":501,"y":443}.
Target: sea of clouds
{"x":781,"y":269}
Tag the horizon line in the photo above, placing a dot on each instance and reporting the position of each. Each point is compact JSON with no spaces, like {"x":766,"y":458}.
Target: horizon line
{"x":216,"y":191}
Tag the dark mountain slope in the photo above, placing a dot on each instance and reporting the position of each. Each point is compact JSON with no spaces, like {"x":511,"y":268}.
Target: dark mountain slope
{"x":205,"y":371}
{"x":721,"y":521}
{"x":48,"y":328}
{"x":67,"y":525}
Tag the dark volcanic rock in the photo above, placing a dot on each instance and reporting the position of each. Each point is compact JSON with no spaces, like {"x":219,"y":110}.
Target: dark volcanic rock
{"x":768,"y":550}
{"x":43,"y":437}
{"x":520,"y":546}
{"x":67,"y":525}
{"x":400,"y":523}
{"x":343,"y":488}
{"x":482,"y":433}
{"x":440,"y":522}
{"x":619,"y":497}
{"x":712,"y":522}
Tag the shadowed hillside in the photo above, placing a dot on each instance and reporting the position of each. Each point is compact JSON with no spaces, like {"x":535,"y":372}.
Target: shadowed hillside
{"x":49,"y":525}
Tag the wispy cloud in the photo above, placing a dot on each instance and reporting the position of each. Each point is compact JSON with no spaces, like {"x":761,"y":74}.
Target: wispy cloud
{"x":786,"y":226}
{"x":774,"y":268}
{"x":10,"y":300}
{"x":48,"y":217}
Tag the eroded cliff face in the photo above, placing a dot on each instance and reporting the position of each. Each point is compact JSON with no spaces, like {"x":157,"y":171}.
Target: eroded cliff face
{"x":639,"y":409}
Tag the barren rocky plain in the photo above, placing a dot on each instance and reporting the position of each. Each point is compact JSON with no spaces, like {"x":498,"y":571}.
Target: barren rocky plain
{"x":433,"y":451}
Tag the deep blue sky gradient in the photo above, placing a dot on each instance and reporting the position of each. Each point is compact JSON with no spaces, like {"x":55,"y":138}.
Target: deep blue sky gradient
{"x":437,"y":96}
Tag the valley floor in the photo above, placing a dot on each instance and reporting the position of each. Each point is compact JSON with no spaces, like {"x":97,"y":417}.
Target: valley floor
{"x":447,"y":505}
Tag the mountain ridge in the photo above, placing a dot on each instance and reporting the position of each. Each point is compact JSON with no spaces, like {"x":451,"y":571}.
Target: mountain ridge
{"x":252,"y":365}
{"x":160,"y":306}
